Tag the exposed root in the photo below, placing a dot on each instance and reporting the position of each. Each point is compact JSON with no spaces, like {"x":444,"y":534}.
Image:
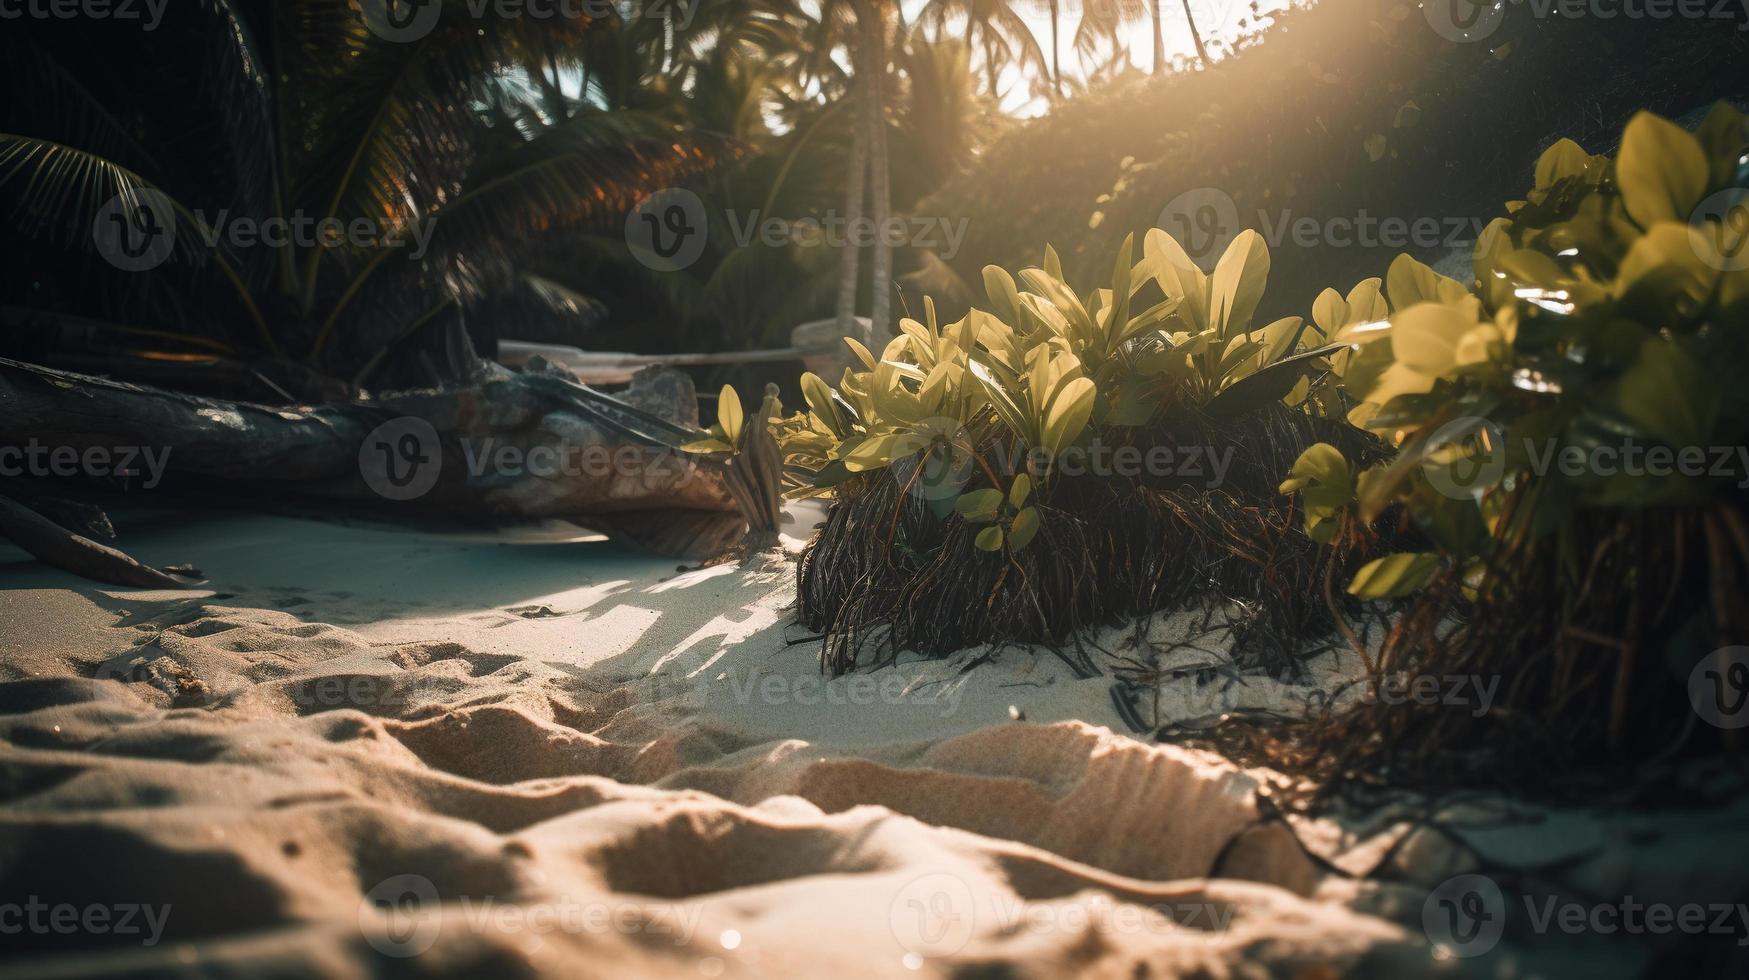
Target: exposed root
{"x":1591,"y":662}
{"x":886,"y":574}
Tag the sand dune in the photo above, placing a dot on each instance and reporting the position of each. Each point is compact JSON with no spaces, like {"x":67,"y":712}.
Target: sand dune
{"x":442,"y":756}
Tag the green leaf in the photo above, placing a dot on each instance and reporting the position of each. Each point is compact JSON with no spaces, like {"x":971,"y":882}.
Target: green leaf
{"x":1025,"y":527}
{"x":989,"y":539}
{"x":1325,"y":483}
{"x":1021,"y":490}
{"x":1662,"y":170}
{"x":1004,"y":297}
{"x":1330,"y":312}
{"x":1237,"y":362}
{"x":861,"y":352}
{"x":872,"y":453}
{"x":1408,"y":282}
{"x":818,"y":394}
{"x":832,"y":474}
{"x":1006,"y":408}
{"x":979,"y":506}
{"x":1269,"y":384}
{"x":1666,"y":393}
{"x":1721,"y":136}
{"x":1395,"y":575}
{"x":1068,"y":415}
{"x":709,"y":444}
{"x":1321,"y":464}
{"x":1238,"y":283}
{"x":729,"y":414}
{"x":1118,"y":322}
{"x":1563,"y":159}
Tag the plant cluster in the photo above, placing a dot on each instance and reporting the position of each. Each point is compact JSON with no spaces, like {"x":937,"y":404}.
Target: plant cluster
{"x":1607,"y":322}
{"x":964,"y":512}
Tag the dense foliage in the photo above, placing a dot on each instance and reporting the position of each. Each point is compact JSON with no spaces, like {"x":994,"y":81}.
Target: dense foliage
{"x":1569,"y":432}
{"x":324,"y":194}
{"x":1335,"y":109}
{"x":1077,"y":419}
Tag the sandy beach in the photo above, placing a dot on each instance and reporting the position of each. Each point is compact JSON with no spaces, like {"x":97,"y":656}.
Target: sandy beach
{"x":364,"y":750}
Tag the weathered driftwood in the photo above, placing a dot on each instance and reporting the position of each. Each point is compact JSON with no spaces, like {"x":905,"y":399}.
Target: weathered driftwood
{"x":512,"y":447}
{"x":55,"y":545}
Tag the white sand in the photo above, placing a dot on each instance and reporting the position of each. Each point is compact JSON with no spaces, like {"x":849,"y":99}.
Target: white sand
{"x":367,"y":750}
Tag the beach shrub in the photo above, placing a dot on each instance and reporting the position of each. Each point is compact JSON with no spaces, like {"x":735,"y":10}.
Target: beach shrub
{"x":1569,"y":431}
{"x":1059,"y":458}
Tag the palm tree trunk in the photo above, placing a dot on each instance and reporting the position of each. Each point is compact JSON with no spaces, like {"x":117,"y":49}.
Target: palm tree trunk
{"x":1056,"y":62}
{"x":881,"y":192}
{"x":1202,"y":53}
{"x":1159,"y":37}
{"x":854,"y":175}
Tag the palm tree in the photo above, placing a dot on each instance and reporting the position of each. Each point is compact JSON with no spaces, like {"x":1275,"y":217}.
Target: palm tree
{"x":1099,"y":24}
{"x":993,"y":27}
{"x":1202,"y":53}
{"x":405,"y":205}
{"x":1159,"y":36}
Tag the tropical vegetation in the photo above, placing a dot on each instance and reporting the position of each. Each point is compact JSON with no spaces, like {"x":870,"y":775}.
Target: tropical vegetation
{"x":1567,"y":430}
{"x":971,"y":503}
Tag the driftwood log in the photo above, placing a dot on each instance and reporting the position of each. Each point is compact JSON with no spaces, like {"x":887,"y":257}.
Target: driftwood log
{"x":512,"y":447}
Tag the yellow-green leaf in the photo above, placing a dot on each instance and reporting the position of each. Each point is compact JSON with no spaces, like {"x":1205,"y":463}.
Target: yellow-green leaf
{"x":861,"y":352}
{"x":1564,"y":159}
{"x":1021,"y":490}
{"x":1394,"y":575}
{"x":872,"y":453}
{"x":1004,"y":297}
{"x":709,"y":444}
{"x":1238,"y":283}
{"x":729,"y":414}
{"x":989,"y":539}
{"x":1408,"y":282}
{"x":1666,"y":393}
{"x":979,"y":505}
{"x":1662,"y":170}
{"x":1322,"y":464}
{"x":1068,"y":415}
{"x":1025,"y":527}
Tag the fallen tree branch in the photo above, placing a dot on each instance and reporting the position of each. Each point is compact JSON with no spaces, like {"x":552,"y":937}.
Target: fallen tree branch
{"x":512,"y":447}
{"x":54,"y":545}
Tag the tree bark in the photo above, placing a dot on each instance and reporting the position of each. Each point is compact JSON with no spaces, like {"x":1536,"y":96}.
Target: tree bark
{"x":1056,"y":58}
{"x":1159,"y":37}
{"x":855,"y":173}
{"x":514,"y":447}
{"x":881,"y":193}
{"x":1202,"y":53}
